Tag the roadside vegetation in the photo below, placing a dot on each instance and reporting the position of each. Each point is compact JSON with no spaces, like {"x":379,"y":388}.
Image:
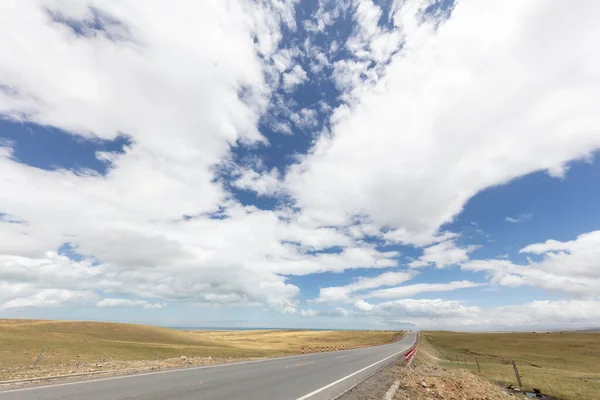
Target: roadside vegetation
{"x":563,"y":365}
{"x":73,"y":347}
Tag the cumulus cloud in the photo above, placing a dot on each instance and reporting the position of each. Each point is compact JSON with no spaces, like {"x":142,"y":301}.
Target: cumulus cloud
{"x":445,"y":314}
{"x":50,"y":298}
{"x":305,"y":118}
{"x":431,"y":115}
{"x":443,"y":255}
{"x":412,"y":290}
{"x":566,"y":267}
{"x":423,"y":313}
{"x":363,"y":305}
{"x":263,"y":183}
{"x":294,"y":78}
{"x":117,"y":302}
{"x":333,"y":313}
{"x":343,"y":293}
{"x":447,"y":116}
{"x":158,"y":225}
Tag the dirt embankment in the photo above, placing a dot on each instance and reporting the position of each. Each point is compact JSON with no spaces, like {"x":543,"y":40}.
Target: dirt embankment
{"x":426,"y":379}
{"x":430,"y":381}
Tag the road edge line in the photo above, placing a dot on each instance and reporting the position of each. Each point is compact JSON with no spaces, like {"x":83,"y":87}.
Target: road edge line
{"x":306,"y":396}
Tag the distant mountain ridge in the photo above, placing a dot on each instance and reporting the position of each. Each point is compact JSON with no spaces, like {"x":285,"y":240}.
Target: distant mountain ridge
{"x":589,"y":330}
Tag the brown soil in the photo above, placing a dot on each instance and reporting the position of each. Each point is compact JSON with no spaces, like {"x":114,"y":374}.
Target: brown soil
{"x":430,"y":381}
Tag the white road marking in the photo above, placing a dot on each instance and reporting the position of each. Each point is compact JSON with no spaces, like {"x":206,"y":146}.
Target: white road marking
{"x":299,"y":365}
{"x":348,"y":376}
{"x":389,"y":395}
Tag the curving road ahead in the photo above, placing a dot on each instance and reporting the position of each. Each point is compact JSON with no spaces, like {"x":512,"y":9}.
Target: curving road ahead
{"x":311,"y":376}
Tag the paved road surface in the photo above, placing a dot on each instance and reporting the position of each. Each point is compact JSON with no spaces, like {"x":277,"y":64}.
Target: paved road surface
{"x":311,"y":376}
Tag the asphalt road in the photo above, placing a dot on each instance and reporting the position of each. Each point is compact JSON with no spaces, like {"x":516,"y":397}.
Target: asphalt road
{"x":311,"y":376}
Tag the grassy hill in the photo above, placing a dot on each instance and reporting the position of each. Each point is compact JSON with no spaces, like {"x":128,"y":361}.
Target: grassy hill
{"x":565,"y":365}
{"x":68,"y":341}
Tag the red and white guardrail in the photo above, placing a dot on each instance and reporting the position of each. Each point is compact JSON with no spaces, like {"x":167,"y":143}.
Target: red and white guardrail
{"x":411,"y":353}
{"x":321,"y":349}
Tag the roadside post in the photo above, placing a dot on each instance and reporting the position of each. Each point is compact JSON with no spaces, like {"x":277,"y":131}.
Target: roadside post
{"x":517,"y":374}
{"x":39,"y":357}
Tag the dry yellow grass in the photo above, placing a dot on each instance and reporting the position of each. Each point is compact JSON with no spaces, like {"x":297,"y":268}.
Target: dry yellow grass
{"x":566,"y":366}
{"x":69,"y":342}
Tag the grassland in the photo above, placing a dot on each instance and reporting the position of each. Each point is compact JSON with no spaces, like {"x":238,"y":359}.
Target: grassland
{"x":564,"y":365}
{"x":69,"y":342}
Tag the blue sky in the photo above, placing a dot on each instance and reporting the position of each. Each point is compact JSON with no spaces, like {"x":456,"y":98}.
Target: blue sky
{"x":318,"y":164}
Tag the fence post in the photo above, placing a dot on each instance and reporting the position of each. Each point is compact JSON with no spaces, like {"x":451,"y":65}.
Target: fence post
{"x":517,"y":374}
{"x":39,"y":357}
{"x":458,"y":362}
{"x":478,"y":367}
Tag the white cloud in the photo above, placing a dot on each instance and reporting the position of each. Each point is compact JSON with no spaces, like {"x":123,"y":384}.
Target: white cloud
{"x":179,"y":101}
{"x":348,"y":74}
{"x":405,"y":237}
{"x":566,"y":267}
{"x":451,"y":314}
{"x":412,"y":290}
{"x":550,"y":314}
{"x":325,"y":15}
{"x":363,"y":305}
{"x":294,"y":78}
{"x":305,"y":118}
{"x":519,"y":219}
{"x":335,"y":313}
{"x":283,"y":60}
{"x":117,"y":302}
{"x":264,"y":183}
{"x":227,"y":281}
{"x":282,"y":127}
{"x":50,"y":298}
{"x":369,"y":40}
{"x":308,"y":313}
{"x":452,"y":113}
{"x":444,"y":254}
{"x":343,"y":293}
{"x":448,"y":116}
{"x":583,"y":243}
{"x":426,"y":309}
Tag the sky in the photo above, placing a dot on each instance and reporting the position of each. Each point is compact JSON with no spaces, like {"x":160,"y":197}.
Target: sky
{"x":356,"y":164}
